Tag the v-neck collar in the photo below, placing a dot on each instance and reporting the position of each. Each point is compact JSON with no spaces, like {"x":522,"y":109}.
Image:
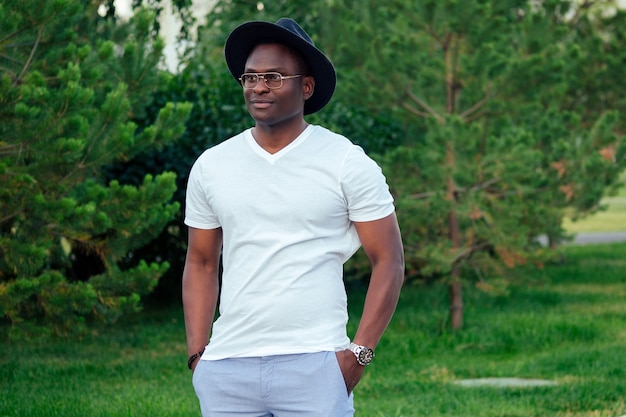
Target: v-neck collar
{"x":273,"y":157}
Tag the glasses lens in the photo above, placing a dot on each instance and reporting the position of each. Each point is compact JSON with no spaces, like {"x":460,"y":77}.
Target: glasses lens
{"x":249,"y":80}
{"x":273,"y":80}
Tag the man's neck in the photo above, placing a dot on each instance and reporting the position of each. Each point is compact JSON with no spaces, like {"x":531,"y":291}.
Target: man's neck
{"x":275,"y":138}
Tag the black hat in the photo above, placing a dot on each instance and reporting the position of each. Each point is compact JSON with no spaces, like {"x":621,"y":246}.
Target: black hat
{"x":286,"y":31}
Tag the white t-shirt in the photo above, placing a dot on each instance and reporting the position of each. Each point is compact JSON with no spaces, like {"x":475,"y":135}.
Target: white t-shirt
{"x":287,"y":229}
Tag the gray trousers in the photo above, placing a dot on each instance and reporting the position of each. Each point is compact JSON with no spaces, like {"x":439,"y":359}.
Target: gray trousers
{"x":302,"y":385}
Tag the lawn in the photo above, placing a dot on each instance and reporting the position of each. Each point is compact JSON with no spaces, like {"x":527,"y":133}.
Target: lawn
{"x":611,"y":218}
{"x":565,"y":323}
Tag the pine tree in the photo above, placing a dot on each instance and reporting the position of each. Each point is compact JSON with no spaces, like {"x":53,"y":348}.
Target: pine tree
{"x":517,"y":107}
{"x":512,"y":111}
{"x":71,"y":83}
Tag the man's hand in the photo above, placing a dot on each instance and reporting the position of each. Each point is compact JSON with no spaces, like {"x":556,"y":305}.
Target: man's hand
{"x":350,"y":368}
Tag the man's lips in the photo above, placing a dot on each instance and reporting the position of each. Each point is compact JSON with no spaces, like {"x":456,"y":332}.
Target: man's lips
{"x":260,"y":104}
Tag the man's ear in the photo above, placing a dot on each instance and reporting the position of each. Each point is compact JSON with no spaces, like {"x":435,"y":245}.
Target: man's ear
{"x":308,"y":86}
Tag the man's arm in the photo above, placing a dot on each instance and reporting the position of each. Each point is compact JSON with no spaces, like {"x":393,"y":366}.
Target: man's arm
{"x":201,"y":286}
{"x":383,"y":245}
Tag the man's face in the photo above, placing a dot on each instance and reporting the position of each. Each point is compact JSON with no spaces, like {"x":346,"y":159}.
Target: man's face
{"x":273,"y":107}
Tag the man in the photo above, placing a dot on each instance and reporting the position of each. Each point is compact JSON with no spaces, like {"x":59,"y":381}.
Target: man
{"x":285,"y":204}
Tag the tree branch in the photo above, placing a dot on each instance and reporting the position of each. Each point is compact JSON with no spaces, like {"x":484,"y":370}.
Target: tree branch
{"x":423,"y":195}
{"x":431,"y":32}
{"x":425,"y":106}
{"x":30,"y":57}
{"x":467,"y":253}
{"x":475,"y":117}
{"x":476,"y":106}
{"x":478,"y":187}
{"x":485,"y":184}
{"x":415,"y":111}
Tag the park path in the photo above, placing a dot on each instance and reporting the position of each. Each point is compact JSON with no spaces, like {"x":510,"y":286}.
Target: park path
{"x":591,"y":238}
{"x":587,"y":238}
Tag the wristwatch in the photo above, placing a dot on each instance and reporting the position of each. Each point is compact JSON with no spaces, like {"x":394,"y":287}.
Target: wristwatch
{"x":364,"y":355}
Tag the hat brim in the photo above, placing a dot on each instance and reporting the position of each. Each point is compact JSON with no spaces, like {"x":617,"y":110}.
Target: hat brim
{"x":245,"y":37}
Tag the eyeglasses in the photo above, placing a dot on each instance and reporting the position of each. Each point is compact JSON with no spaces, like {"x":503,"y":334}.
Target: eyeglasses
{"x":272,"y":80}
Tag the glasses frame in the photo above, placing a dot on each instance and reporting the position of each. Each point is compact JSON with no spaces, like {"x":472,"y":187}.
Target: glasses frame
{"x":262,"y":75}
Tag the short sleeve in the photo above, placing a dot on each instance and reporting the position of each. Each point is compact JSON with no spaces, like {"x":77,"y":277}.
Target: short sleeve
{"x":198,"y":211}
{"x":365,"y":188}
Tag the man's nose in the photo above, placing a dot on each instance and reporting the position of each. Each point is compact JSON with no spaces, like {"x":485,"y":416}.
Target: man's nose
{"x":260,"y":86}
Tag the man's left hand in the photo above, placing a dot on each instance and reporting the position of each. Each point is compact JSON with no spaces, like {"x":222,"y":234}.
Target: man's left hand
{"x":350,"y":368}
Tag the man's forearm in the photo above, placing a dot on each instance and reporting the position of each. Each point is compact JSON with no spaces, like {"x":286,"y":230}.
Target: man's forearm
{"x":382,"y":243}
{"x":200,"y":294}
{"x":380,"y":302}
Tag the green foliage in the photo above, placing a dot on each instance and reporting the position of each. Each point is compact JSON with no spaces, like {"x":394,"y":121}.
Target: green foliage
{"x":502,"y":125}
{"x":71,"y":84}
{"x":566,"y":323}
{"x":218,"y":113}
{"x":510,"y":112}
{"x":516,"y":101}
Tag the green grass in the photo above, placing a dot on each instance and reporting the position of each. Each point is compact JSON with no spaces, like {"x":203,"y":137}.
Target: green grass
{"x":566,"y":323}
{"x":613,"y":218}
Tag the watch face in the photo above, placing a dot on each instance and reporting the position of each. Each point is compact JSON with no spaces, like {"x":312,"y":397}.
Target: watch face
{"x":365,"y":356}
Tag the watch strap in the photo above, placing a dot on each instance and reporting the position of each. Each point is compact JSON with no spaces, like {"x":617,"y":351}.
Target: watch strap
{"x":363,"y":354}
